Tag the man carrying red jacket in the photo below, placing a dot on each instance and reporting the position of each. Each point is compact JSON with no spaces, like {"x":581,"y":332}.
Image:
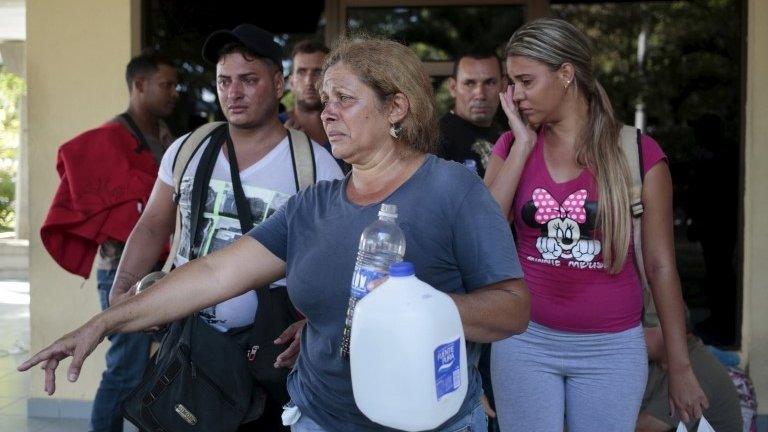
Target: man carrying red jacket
{"x":107,"y":175}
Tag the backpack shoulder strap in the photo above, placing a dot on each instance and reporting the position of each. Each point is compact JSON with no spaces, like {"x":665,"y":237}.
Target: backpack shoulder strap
{"x":187,"y":150}
{"x":303,"y":158}
{"x":630,"y":143}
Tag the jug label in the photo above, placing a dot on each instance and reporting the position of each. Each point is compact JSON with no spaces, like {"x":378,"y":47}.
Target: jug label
{"x":361,"y":279}
{"x":448,"y":368}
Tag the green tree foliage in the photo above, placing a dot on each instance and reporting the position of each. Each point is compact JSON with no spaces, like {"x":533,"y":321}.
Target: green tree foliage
{"x":440,"y":32}
{"x":692,"y":64}
{"x":11,"y":90}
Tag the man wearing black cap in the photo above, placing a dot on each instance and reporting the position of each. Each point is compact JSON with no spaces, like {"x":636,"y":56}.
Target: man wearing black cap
{"x":249,"y":83}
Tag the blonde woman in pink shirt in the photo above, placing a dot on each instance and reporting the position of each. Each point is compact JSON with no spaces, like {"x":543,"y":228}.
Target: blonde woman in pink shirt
{"x":562,"y":178}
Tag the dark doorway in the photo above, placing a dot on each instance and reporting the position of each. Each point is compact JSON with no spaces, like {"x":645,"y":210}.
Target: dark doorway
{"x":687,"y":87}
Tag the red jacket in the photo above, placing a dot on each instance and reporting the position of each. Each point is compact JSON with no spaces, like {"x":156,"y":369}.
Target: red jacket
{"x":105,"y":184}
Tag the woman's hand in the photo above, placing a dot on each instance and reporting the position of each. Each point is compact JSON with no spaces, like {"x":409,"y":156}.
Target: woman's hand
{"x":288,"y":357}
{"x":487,"y":406}
{"x":78,"y":344}
{"x":687,"y":400}
{"x":525,"y":136}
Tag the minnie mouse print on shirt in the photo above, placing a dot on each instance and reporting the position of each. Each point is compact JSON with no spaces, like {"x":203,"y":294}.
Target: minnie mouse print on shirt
{"x":567,"y":226}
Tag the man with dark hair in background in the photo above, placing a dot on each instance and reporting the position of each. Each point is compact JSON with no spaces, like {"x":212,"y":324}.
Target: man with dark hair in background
{"x":307,"y":58}
{"x":468,"y":131}
{"x":107,"y":175}
{"x":467,"y":135}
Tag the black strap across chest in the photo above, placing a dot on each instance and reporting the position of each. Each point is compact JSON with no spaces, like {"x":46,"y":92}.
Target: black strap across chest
{"x":200,"y":189}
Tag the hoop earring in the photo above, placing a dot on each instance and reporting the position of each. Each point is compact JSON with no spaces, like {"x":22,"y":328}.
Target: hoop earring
{"x":396,"y":130}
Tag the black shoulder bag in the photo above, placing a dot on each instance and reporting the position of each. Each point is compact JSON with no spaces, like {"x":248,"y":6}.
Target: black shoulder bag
{"x":202,"y":379}
{"x":274,"y":314}
{"x":275,"y":311}
{"x":196,"y":383}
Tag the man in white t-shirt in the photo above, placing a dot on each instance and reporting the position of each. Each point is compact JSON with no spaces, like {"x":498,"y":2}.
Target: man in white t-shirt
{"x":249,"y":86}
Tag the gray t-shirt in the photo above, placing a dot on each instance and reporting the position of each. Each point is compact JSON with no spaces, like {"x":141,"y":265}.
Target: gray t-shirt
{"x":456,"y":237}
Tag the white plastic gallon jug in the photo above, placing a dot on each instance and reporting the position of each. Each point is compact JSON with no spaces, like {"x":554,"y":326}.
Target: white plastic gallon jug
{"x":407,"y":354}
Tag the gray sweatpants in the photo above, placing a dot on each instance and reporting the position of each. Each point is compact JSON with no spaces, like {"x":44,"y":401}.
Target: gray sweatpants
{"x":593,"y":381}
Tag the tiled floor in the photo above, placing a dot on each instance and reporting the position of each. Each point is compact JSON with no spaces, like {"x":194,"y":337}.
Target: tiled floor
{"x":14,"y":386}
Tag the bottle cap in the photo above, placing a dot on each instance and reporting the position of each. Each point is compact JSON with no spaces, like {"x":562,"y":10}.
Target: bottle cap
{"x":389,"y":210}
{"x":402,"y":269}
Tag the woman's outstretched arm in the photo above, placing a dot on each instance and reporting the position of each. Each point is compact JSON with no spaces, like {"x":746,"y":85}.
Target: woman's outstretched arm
{"x":191,"y":287}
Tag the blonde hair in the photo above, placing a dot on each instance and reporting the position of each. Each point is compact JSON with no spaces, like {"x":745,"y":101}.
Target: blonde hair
{"x":555,"y":42}
{"x":389,"y":68}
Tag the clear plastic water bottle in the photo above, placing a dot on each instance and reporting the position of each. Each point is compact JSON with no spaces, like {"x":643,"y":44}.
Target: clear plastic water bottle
{"x":381,"y":245}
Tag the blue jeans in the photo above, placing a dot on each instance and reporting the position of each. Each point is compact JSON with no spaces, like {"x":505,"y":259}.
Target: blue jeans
{"x":126,"y":359}
{"x":475,"y":421}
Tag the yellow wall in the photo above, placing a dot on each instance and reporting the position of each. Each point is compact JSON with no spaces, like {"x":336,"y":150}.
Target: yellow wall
{"x":76,"y":57}
{"x":755,"y":324}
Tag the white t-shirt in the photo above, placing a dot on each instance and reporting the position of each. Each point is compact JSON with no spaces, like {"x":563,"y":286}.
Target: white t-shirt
{"x":267,"y":184}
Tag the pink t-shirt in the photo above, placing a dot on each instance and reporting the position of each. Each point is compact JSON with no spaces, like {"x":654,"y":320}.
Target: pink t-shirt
{"x":560,"y":250}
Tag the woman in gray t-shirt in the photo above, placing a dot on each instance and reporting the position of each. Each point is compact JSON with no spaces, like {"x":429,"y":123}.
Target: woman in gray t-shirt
{"x":379,"y":116}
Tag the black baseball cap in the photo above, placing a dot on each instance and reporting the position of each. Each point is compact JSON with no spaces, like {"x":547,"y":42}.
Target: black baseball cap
{"x":259,"y":41}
